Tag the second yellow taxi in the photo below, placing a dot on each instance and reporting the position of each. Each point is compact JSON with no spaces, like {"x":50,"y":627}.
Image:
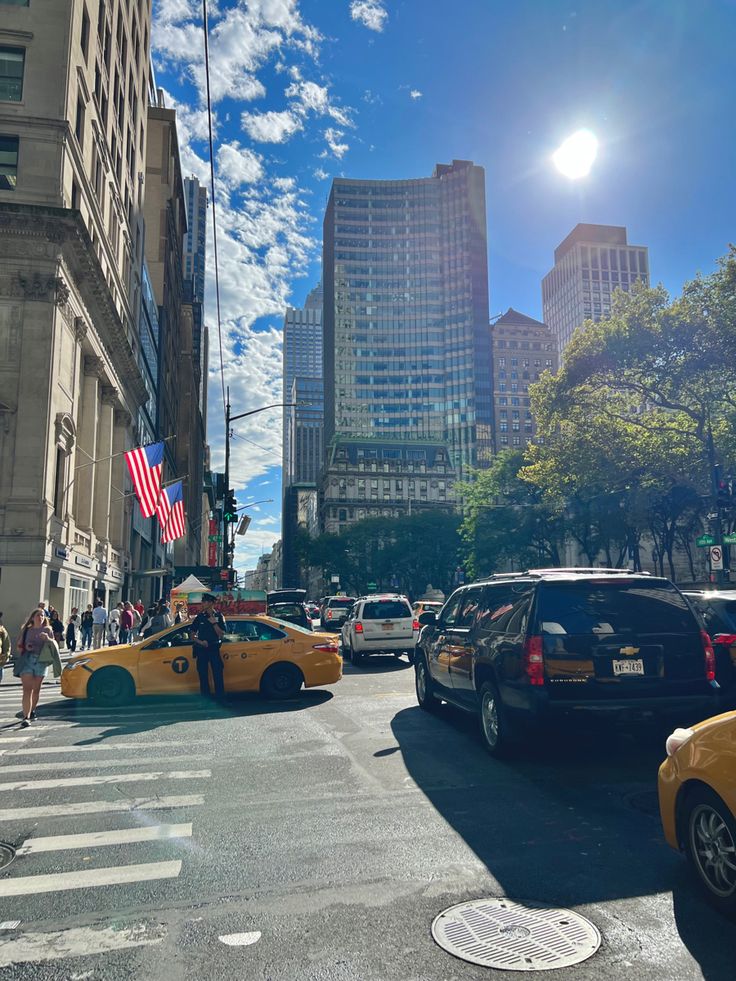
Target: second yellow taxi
{"x":259,"y":653}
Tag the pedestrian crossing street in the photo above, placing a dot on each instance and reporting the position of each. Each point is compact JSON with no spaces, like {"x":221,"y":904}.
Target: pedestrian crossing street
{"x":92,"y":800}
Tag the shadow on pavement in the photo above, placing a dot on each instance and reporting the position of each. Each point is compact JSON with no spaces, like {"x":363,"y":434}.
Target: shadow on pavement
{"x":152,"y":712}
{"x":569,"y":822}
{"x":377,"y":664}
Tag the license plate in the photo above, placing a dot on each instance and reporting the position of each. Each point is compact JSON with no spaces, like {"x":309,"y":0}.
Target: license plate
{"x":628,"y":667}
{"x":388,"y":626}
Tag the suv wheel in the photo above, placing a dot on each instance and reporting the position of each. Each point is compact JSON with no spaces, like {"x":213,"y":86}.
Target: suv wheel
{"x":494,"y":727}
{"x":424,"y":686}
{"x":710,"y":845}
{"x":356,"y":656}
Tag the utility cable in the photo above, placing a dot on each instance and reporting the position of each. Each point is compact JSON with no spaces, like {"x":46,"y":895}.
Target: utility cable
{"x":214,"y":209}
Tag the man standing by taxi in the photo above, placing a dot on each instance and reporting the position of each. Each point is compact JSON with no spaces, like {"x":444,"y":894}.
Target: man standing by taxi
{"x":208,"y":629}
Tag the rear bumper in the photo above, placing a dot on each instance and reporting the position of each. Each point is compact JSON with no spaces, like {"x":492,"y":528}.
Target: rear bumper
{"x":688,"y":709}
{"x":384,"y":644}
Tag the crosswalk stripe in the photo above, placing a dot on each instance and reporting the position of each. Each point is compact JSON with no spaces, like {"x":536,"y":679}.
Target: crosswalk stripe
{"x":14,"y":739}
{"x":84,"y":808}
{"x":77,"y":942}
{"x":87,"y":878}
{"x":98,"y":839}
{"x":94,"y":748}
{"x":97,"y":764}
{"x":104,"y":778}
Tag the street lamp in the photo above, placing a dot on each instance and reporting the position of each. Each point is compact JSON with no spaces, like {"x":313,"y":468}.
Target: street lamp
{"x":228,"y":420}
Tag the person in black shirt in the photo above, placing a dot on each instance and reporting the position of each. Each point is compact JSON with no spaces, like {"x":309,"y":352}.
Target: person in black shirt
{"x":208,"y":629}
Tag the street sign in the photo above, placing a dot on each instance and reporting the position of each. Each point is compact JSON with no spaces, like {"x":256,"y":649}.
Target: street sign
{"x":704,"y":540}
{"x":716,"y":557}
{"x":372,"y":587}
{"x":730,"y":539}
{"x":215,"y":538}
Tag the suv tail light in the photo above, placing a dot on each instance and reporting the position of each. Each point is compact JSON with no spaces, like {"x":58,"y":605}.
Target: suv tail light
{"x":415,"y":625}
{"x":727,"y":639}
{"x":534,"y":660}
{"x":358,"y":627}
{"x":327,"y":648}
{"x":710,"y":657}
{"x":329,"y":614}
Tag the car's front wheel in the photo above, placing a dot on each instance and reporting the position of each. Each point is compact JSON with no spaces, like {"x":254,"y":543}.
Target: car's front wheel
{"x":424,"y":686}
{"x":494,"y":727}
{"x":110,"y":687}
{"x":710,"y":845}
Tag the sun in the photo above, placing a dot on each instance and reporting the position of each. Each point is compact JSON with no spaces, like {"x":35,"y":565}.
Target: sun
{"x":576,"y":155}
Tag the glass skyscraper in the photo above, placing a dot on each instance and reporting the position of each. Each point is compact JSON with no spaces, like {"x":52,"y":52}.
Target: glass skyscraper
{"x":407,"y":349}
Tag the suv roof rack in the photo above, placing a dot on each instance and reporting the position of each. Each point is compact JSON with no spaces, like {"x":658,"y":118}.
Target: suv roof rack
{"x":562,"y":570}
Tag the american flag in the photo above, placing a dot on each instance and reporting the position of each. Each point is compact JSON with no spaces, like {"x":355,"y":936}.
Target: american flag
{"x":145,"y":465}
{"x":170,"y":513}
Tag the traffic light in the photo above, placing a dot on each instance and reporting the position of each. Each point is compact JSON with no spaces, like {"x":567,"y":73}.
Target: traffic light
{"x":725,"y":490}
{"x":231,"y":508}
{"x":232,"y":577}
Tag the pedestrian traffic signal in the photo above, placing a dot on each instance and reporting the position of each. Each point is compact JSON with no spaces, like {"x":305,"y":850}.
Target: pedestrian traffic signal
{"x":231,"y":508}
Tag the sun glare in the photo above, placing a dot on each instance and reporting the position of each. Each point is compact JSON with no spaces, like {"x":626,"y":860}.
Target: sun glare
{"x":576,"y":155}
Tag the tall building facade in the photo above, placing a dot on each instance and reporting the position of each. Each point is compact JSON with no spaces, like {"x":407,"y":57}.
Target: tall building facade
{"x":590,"y":264}
{"x":74,"y":77}
{"x":522,"y":349}
{"x":407,"y":351}
{"x":302,"y":355}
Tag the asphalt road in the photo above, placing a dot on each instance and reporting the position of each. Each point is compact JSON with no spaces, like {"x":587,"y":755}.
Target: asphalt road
{"x":318,"y":839}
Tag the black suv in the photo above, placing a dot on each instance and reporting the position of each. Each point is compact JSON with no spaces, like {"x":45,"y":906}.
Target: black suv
{"x":718,"y":610}
{"x":523,"y":648}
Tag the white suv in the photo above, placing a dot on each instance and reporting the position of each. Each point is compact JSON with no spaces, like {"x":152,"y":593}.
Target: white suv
{"x":380,"y":625}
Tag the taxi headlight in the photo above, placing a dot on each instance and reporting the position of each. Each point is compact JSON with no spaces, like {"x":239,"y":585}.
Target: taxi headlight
{"x":677,"y":739}
{"x":77,"y":664}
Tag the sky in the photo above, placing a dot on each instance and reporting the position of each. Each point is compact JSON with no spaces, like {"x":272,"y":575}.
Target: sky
{"x":307,"y":90}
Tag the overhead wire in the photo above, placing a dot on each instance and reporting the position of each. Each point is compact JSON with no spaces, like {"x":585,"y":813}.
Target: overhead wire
{"x":205,"y":28}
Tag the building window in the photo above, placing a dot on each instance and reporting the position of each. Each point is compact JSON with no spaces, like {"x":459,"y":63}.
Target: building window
{"x":12,"y":61}
{"x":8,"y":162}
{"x":84,"y":37}
{"x":79,"y":125}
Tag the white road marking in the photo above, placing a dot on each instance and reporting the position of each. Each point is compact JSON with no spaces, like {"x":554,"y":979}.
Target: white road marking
{"x":57,"y":765}
{"x":105,"y":778}
{"x":94,"y":747}
{"x":9,"y":925}
{"x":98,"y":839}
{"x":88,"y":878}
{"x":101,"y":807}
{"x":76,"y":943}
{"x":241,"y":939}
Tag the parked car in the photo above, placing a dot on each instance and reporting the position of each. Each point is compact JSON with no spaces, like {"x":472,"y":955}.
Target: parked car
{"x":258,"y":653}
{"x":425,"y":606}
{"x":334,"y":610}
{"x":522,"y":649}
{"x":380,"y":625}
{"x":697,"y":803}
{"x":291,"y":613}
{"x":718,"y":610}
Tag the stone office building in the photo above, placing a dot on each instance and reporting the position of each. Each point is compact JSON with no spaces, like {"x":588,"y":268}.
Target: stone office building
{"x":73,"y":82}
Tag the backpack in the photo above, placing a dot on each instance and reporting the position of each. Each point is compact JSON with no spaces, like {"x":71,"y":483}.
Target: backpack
{"x":136,"y":619}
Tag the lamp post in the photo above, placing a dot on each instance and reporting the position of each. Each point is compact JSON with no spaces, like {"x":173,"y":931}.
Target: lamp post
{"x":228,"y":557}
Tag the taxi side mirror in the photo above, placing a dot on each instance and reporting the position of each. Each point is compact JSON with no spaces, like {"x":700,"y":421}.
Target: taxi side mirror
{"x":427,"y":618}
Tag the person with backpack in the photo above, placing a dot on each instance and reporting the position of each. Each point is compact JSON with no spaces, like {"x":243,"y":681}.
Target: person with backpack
{"x":86,"y":628}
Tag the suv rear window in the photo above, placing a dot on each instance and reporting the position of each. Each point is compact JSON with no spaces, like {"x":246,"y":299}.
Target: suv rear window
{"x":613,"y":608}
{"x":342,"y":604}
{"x":385,"y":610}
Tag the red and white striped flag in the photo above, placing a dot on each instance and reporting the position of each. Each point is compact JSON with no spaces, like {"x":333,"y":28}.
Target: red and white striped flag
{"x":145,"y":465}
{"x":170,"y":513}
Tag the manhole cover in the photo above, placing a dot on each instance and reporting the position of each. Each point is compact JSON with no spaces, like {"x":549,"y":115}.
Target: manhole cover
{"x":7,"y":854}
{"x":509,"y":936}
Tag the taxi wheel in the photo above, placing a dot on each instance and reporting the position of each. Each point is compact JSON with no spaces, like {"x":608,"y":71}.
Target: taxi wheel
{"x":710,"y":845}
{"x":111,"y":686}
{"x":282,"y":681}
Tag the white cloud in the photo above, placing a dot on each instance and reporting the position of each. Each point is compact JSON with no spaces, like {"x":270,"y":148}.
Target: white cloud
{"x":333,"y":141}
{"x":321,"y":174}
{"x":415,"y":94}
{"x":371,"y":13}
{"x":271,"y":127}
{"x":237,"y":165}
{"x":252,"y":545}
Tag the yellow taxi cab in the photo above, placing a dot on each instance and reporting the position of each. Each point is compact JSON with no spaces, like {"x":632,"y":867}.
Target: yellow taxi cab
{"x":259,"y":653}
{"x":697,"y":803}
{"x":425,"y":606}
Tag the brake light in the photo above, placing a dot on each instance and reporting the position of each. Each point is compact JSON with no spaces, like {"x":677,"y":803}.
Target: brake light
{"x":710,"y":657}
{"x":534,"y":660}
{"x":358,"y":627}
{"x":327,"y":648}
{"x":415,"y":625}
{"x":329,"y":614}
{"x":727,"y":639}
